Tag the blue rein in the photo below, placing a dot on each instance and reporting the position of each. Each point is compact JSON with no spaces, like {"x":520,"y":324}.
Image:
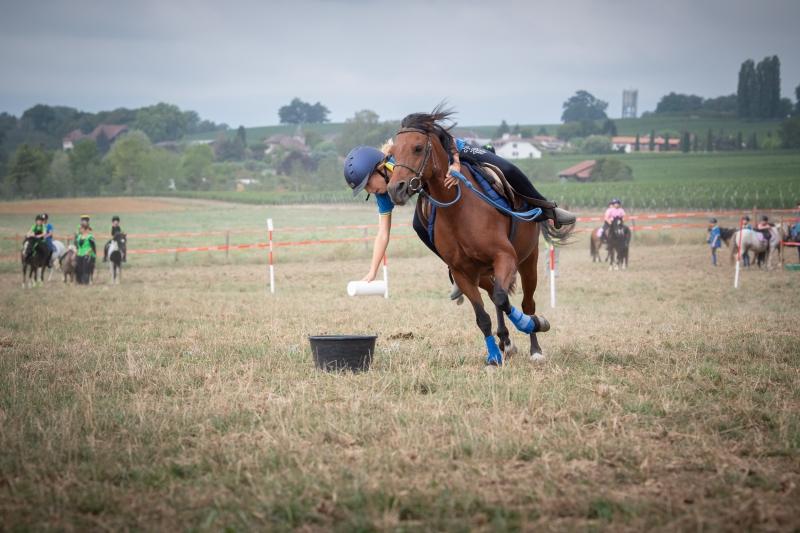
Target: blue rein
{"x":437,"y":203}
{"x":525,"y":216}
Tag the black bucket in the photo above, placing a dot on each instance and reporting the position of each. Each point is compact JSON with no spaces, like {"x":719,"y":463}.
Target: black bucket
{"x":342,"y":352}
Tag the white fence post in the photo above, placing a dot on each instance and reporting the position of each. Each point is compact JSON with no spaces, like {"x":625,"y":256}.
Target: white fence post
{"x":271,"y":266}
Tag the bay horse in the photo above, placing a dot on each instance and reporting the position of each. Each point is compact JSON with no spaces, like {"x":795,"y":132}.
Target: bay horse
{"x":471,"y":235}
{"x":69,"y":263}
{"x":596,"y":245}
{"x":618,"y":239}
{"x":116,"y":248}
{"x":34,"y":256}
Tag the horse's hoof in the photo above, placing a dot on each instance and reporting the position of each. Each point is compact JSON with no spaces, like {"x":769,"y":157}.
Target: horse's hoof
{"x":544,"y":324}
{"x":510,"y":350}
{"x":538,"y":357}
{"x":495,"y":361}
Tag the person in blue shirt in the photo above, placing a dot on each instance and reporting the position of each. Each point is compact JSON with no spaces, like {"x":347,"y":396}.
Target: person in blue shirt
{"x":714,"y":239}
{"x":48,"y":232}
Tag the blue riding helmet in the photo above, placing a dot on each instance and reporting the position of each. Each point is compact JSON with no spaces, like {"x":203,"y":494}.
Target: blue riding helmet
{"x":359,"y":164}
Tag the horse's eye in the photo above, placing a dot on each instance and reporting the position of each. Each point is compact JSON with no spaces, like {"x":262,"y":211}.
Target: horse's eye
{"x":418,"y":149}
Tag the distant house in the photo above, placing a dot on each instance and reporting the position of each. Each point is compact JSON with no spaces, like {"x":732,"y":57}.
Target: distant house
{"x":110,"y":131}
{"x":581,"y":172}
{"x":515,"y":147}
{"x":548,"y":143}
{"x":289,"y":143}
{"x":627,"y":144}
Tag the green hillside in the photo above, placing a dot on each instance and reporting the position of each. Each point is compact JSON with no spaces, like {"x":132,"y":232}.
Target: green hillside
{"x":662,"y":124}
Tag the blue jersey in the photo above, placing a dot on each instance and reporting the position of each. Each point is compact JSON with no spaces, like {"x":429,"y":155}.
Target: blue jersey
{"x":385,"y":204}
{"x":715,"y":237}
{"x":49,"y":229}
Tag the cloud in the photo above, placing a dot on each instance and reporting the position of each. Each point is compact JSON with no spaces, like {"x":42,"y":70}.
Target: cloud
{"x":239,"y":61}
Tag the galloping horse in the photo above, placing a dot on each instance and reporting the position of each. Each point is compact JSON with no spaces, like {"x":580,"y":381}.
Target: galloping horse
{"x":115,"y":250}
{"x":619,"y":240}
{"x":753,"y":241}
{"x":471,"y":235}
{"x":35,"y":256}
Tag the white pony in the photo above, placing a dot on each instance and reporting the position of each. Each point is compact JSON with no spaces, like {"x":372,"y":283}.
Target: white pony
{"x":55,"y":260}
{"x":753,"y":241}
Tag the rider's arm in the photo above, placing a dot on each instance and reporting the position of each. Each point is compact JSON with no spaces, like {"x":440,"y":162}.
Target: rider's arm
{"x":379,"y":246}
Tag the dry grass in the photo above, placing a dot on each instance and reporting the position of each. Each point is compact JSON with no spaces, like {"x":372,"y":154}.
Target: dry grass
{"x":79,"y":206}
{"x":186,"y":399}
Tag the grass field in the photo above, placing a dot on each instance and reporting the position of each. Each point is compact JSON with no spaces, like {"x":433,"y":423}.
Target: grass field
{"x":661,"y":181}
{"x":185,"y":398}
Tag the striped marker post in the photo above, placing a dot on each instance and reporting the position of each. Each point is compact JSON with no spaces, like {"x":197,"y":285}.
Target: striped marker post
{"x":738,"y":255}
{"x":552,"y":264}
{"x":386,"y":275}
{"x":271,"y":266}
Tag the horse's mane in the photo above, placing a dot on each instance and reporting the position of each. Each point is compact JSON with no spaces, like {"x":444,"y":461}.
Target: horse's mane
{"x":433,"y":122}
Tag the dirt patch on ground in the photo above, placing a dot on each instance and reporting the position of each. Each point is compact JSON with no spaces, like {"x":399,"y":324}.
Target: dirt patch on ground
{"x":91,"y":206}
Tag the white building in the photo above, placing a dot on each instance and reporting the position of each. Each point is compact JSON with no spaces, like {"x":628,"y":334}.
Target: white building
{"x":515,"y":147}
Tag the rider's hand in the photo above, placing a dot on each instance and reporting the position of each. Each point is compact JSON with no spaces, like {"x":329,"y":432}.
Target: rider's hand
{"x":369,"y":277}
{"x":450,"y":179}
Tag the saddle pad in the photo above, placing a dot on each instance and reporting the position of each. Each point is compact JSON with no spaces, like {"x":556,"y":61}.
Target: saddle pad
{"x":500,"y":184}
{"x":599,"y":232}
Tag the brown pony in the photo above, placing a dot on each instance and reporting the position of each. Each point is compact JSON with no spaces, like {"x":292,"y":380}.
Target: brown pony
{"x":471,"y":235}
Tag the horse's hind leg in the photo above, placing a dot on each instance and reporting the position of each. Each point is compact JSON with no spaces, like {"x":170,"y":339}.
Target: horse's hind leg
{"x":484,"y":321}
{"x":528,"y":274}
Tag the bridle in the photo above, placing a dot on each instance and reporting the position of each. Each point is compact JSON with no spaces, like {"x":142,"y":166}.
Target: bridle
{"x":415,"y":183}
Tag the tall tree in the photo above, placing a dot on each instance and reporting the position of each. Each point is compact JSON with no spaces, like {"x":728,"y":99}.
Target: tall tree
{"x":241,"y":135}
{"x":686,"y":142}
{"x":745,"y":93}
{"x":27,"y":171}
{"x":502,"y":129}
{"x":161,"y":122}
{"x":300,"y":112}
{"x":652,"y":144}
{"x":583,"y":106}
{"x":797,"y":102}
{"x":710,"y":141}
{"x":638,"y":144}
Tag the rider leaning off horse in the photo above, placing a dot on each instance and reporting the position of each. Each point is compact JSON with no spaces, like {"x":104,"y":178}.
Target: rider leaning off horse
{"x":116,"y":229}
{"x":614,"y":210}
{"x":367,"y":168}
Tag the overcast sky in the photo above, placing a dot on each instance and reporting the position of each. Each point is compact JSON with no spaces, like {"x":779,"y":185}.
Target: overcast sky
{"x":239,"y":61}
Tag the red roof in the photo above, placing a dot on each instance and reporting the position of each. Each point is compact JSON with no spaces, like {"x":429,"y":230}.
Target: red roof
{"x":581,"y":171}
{"x":643,"y":140}
{"x":111,"y":131}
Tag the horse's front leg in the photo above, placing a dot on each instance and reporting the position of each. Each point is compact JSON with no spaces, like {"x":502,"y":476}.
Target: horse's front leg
{"x":506,"y":344}
{"x":469,"y":287}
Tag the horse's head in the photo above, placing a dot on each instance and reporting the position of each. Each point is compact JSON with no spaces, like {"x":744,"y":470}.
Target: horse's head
{"x":419,"y":153}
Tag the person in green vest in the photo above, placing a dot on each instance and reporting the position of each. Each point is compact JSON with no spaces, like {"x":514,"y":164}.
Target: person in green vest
{"x":35,"y":236}
{"x":87,"y":251}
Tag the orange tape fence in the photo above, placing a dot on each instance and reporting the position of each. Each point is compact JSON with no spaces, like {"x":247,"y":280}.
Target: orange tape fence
{"x":366,"y":238}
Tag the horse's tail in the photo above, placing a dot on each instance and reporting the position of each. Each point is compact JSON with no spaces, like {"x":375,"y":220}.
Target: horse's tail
{"x":592,"y":247}
{"x":556,"y":236}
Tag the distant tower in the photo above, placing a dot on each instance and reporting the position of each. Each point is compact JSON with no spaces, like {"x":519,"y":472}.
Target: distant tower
{"x":629,"y":98}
